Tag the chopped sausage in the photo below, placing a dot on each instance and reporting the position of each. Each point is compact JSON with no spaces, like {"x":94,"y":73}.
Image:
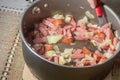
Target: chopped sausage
{"x":77,"y":54}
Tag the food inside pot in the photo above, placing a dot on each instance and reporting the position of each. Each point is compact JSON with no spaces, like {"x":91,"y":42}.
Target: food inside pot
{"x":51,"y":32}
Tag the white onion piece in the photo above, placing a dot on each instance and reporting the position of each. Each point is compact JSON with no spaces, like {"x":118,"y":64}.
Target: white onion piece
{"x":117,"y":34}
{"x":68,"y":18}
{"x":89,"y":15}
{"x":84,"y":20}
{"x":68,"y":60}
{"x":62,"y":60}
{"x":92,"y":25}
{"x":67,"y":52}
{"x":52,"y":39}
{"x":108,"y":55}
{"x":58,"y":16}
{"x":50,"y":53}
{"x":56,"y":48}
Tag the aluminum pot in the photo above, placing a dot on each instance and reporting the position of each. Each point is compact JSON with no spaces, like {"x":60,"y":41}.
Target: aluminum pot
{"x":46,"y":70}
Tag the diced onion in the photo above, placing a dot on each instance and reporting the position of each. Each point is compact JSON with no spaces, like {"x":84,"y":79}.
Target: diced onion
{"x":108,"y":41}
{"x":68,"y":60}
{"x":87,"y":34}
{"x":62,"y":60}
{"x":67,"y":52}
{"x":117,"y":34}
{"x":84,"y":20}
{"x":94,"y":42}
{"x":50,"y":53}
{"x":87,"y":57}
{"x":108,"y":55}
{"x":68,"y":18}
{"x":72,"y":44}
{"x":89,"y":15}
{"x":110,"y":25}
{"x":81,"y":7}
{"x":56,"y":48}
{"x":52,"y":39}
{"x":92,"y":25}
{"x":99,"y":48}
{"x":58,"y":16}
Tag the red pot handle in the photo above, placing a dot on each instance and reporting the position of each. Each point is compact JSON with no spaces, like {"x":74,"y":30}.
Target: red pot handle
{"x":98,"y":8}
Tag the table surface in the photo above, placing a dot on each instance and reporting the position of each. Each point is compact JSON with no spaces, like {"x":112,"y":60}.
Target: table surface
{"x":11,"y":59}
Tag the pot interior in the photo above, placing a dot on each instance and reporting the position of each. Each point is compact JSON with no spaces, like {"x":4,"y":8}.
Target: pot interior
{"x":46,"y":8}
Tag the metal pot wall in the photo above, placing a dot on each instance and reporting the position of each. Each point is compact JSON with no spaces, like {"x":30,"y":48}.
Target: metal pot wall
{"x":46,"y":70}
